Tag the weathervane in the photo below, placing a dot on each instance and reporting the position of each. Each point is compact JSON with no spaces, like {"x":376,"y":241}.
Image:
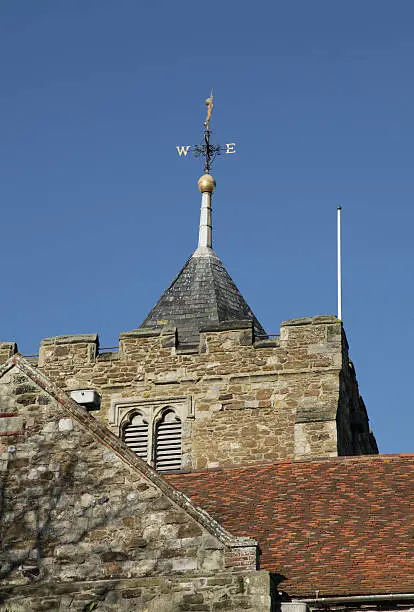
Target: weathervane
{"x":205,"y":148}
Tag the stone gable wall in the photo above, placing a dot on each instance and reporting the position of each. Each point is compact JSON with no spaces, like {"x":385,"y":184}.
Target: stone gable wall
{"x":250,"y":401}
{"x":80,"y":525}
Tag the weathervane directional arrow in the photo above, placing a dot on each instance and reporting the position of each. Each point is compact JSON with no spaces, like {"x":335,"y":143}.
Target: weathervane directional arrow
{"x":206,"y":149}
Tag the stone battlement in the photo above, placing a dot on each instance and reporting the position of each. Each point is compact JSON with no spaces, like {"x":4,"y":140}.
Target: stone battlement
{"x":242,"y":399}
{"x":238,"y":333}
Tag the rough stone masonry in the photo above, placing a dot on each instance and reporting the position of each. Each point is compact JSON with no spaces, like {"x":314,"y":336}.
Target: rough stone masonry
{"x":242,"y":400}
{"x":85,"y":523}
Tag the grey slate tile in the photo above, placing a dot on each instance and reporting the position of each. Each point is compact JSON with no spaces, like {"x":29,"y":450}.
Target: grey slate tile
{"x":202,"y":294}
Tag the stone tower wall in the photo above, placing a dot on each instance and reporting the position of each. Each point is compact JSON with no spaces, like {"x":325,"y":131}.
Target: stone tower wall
{"x":241,"y":401}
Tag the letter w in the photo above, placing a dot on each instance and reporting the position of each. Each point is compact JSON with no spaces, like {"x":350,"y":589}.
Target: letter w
{"x":183,"y":150}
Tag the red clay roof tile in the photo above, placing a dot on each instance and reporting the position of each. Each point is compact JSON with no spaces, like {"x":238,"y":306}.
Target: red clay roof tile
{"x":340,"y":526}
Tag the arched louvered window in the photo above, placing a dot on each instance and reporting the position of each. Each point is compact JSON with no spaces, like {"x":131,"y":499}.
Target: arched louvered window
{"x":168,"y":442}
{"x":135,"y":434}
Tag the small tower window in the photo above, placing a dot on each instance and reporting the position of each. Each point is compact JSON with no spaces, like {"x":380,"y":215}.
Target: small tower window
{"x":154,"y":429}
{"x":135,"y":434}
{"x":168,"y":431}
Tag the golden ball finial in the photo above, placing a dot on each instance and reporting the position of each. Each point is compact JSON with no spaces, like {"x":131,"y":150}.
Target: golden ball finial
{"x":206,"y":183}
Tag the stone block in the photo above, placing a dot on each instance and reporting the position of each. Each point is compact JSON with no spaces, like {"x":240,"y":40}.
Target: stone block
{"x":65,"y":424}
{"x":11,"y":424}
{"x":294,"y":606}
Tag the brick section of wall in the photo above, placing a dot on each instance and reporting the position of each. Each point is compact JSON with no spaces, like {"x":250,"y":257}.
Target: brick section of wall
{"x":341,"y":526}
{"x":240,"y":558}
{"x":78,"y":505}
{"x":253,"y":402}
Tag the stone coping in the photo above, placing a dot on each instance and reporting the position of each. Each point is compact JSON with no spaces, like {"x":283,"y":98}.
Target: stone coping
{"x":71,"y":339}
{"x":143,"y":332}
{"x":316,"y":320}
{"x":228,"y":326}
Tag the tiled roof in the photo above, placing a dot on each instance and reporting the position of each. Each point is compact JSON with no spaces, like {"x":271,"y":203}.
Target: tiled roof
{"x":202,"y":294}
{"x":340,"y":526}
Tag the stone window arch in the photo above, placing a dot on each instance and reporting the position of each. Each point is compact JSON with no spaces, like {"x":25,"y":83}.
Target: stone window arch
{"x":167,"y":446}
{"x":158,"y":430}
{"x":135,"y":433}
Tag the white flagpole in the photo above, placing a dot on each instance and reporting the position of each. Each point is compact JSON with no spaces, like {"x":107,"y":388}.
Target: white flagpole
{"x":339,"y":209}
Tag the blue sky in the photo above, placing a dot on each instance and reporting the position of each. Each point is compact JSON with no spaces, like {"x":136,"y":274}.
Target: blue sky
{"x":99,"y":213}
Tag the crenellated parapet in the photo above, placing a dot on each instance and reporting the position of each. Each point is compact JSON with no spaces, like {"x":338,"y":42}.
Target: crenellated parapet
{"x":320,"y":336}
{"x":241,"y":399}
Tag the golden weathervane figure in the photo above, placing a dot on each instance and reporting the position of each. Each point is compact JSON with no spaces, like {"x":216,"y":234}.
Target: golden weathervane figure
{"x":209,"y":103}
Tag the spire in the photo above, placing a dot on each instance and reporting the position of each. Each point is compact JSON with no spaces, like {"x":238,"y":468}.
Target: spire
{"x":203,"y":293}
{"x":206,"y":185}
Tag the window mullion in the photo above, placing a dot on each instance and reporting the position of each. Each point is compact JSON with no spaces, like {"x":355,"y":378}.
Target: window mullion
{"x":150,"y":449}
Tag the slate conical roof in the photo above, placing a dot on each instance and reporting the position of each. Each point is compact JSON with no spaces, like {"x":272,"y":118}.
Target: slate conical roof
{"x":203,"y":294}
